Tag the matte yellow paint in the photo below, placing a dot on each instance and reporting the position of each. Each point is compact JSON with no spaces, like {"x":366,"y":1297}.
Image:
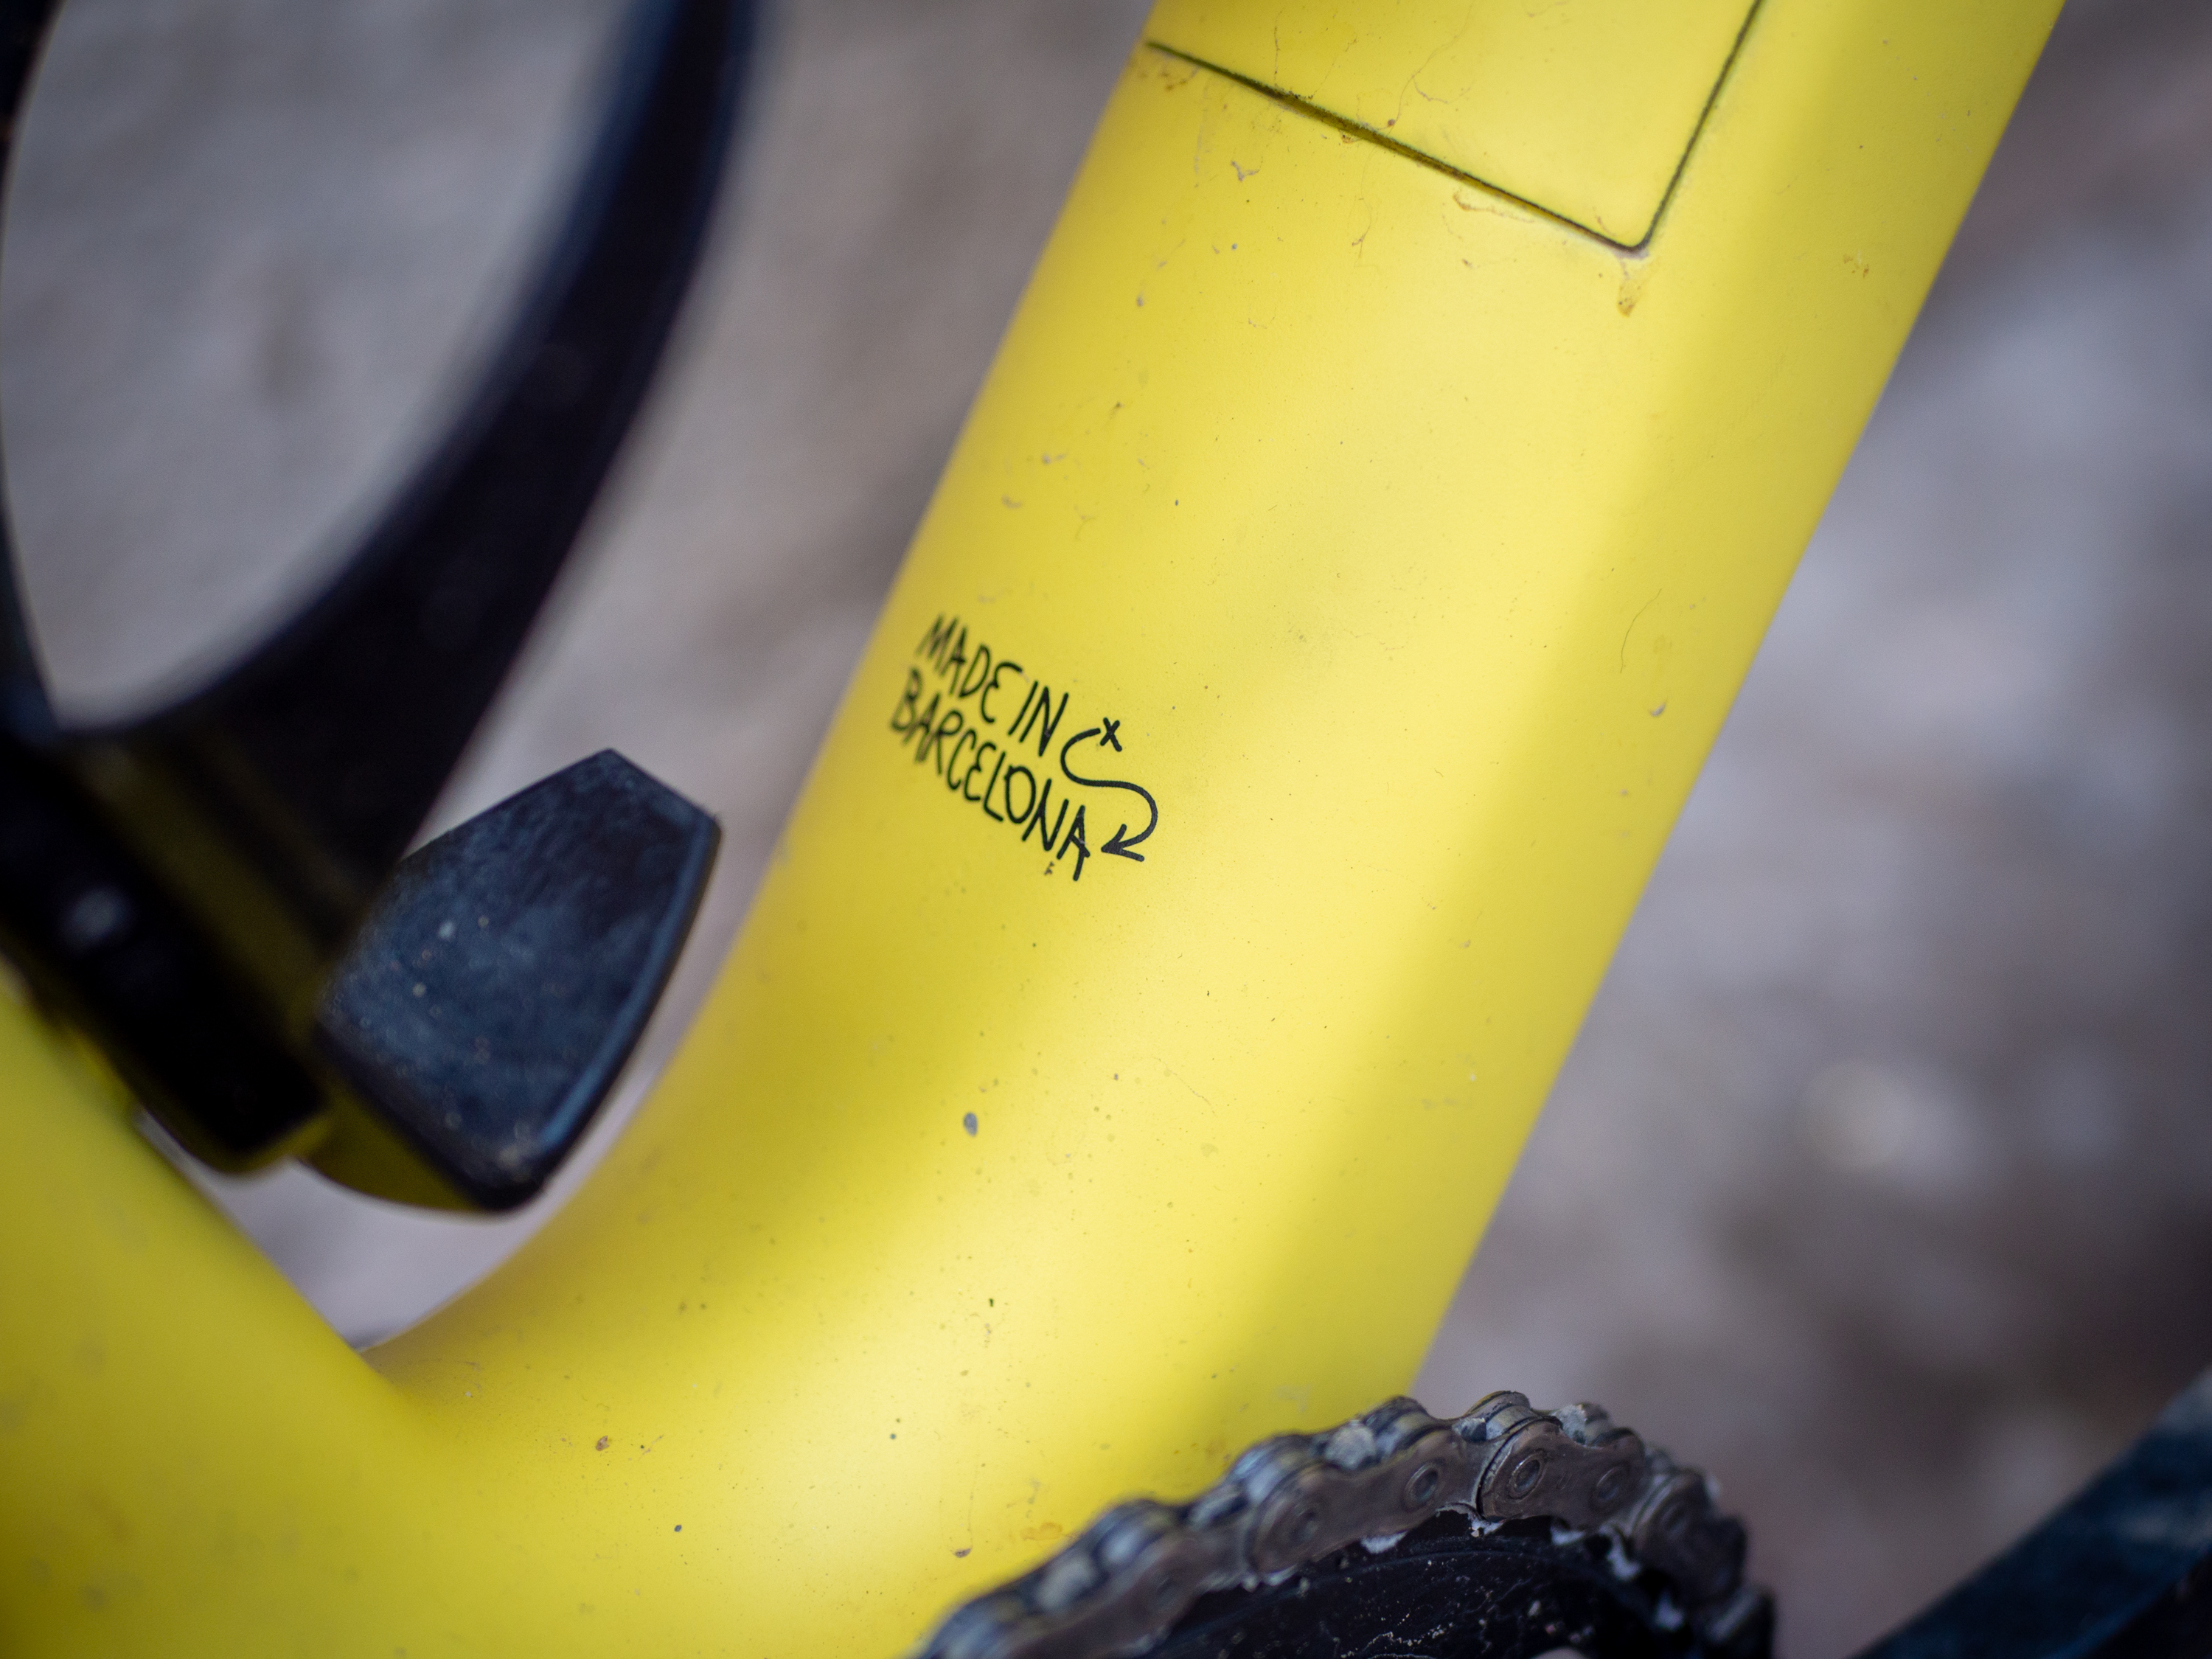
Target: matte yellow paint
{"x":1416,"y":541}
{"x":1584,"y":107}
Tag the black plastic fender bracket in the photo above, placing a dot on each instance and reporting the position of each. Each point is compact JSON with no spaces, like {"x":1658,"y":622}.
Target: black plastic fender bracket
{"x":216,"y":894}
{"x":505,"y":975}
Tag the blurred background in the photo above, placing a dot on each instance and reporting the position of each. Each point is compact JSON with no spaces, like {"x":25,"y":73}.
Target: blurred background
{"x":1879,"y":1181}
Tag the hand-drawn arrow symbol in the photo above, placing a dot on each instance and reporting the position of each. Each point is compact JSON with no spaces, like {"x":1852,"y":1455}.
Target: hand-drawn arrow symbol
{"x":1121,"y":841}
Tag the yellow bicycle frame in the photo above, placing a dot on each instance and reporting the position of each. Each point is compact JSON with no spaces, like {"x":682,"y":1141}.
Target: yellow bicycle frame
{"x":1376,"y":501}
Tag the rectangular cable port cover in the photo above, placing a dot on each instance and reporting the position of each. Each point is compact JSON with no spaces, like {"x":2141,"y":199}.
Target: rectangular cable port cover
{"x":1584,"y":108}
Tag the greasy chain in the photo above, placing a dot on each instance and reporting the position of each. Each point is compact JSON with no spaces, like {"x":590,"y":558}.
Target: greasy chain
{"x":1291,"y":1501}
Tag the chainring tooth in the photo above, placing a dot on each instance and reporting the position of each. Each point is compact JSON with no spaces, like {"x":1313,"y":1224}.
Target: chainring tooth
{"x":1740,"y":1627}
{"x":1676,"y":1529}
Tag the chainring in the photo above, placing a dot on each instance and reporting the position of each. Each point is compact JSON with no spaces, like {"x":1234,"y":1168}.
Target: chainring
{"x":1505,"y":1533}
{"x":1449,"y":1590}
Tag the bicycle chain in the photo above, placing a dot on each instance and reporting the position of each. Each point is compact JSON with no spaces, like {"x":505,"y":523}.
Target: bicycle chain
{"x":1121,"y":1586}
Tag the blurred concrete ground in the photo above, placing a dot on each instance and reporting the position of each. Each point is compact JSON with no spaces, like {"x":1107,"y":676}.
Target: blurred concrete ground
{"x":1879,"y":1181}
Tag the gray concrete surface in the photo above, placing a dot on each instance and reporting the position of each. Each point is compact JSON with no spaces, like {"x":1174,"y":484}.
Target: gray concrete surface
{"x":1878,"y":1181}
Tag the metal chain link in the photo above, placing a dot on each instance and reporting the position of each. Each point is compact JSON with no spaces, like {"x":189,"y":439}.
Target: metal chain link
{"x":1291,"y":1501}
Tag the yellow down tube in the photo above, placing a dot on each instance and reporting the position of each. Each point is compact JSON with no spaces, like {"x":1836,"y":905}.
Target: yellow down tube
{"x":1376,"y":501}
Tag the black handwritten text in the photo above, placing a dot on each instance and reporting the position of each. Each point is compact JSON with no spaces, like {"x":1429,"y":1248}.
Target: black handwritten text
{"x":989,"y":729}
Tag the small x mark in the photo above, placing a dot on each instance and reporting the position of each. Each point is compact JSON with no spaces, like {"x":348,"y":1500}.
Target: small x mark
{"x":1112,"y":727}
